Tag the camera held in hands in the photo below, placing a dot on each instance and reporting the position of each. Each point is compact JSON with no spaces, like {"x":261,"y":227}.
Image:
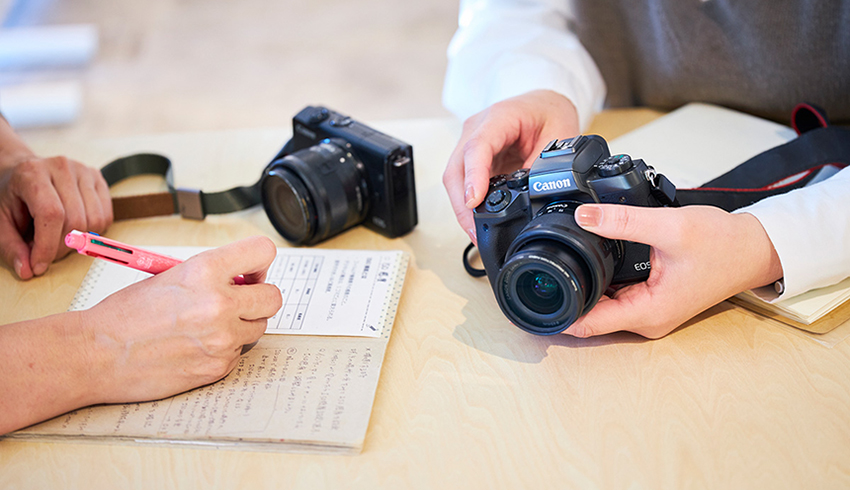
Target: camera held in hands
{"x":545,"y":270}
{"x":336,"y":173}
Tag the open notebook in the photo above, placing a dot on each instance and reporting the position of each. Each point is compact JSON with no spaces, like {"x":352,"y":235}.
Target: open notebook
{"x":699,"y":142}
{"x":309,"y":391}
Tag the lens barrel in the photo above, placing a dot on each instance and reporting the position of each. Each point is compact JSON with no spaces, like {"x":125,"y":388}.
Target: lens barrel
{"x":315,"y":193}
{"x":554,"y":271}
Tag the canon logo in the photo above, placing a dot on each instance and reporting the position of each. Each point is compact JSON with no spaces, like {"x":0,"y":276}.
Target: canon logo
{"x":552,"y":185}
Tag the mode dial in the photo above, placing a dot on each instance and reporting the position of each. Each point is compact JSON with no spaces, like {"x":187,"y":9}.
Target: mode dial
{"x":615,"y":165}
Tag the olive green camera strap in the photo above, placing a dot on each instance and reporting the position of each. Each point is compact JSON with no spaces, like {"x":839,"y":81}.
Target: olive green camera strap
{"x":189,"y":203}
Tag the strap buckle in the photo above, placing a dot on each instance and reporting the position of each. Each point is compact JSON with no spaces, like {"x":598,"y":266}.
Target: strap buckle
{"x":190,"y":203}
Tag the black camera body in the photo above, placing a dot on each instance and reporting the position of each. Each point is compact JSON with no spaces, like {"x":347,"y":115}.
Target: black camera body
{"x":545,"y":270}
{"x":335,"y":173}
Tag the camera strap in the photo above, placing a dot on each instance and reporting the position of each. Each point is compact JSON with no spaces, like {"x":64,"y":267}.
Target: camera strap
{"x":781,"y":169}
{"x":189,"y":203}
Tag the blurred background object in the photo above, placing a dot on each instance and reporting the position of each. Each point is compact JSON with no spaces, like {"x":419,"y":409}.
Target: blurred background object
{"x":41,"y":104}
{"x":63,"y":45}
{"x":22,"y":49}
{"x":187,"y":65}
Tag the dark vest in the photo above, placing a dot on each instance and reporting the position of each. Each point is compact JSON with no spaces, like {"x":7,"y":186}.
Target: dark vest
{"x":758,"y":56}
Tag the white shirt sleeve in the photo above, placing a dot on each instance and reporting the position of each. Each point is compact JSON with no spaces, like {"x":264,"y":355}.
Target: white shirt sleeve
{"x":810,"y":230}
{"x":504,"y":48}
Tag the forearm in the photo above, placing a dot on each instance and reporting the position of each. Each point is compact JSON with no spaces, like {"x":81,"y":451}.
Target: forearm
{"x":47,"y":369}
{"x":12,"y":148}
{"x":505,"y":49}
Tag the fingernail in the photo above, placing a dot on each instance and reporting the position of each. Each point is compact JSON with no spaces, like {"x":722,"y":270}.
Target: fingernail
{"x":471,"y":234}
{"x":589,"y":216}
{"x":18,"y":266}
{"x":39,"y":269}
{"x":469,"y":195}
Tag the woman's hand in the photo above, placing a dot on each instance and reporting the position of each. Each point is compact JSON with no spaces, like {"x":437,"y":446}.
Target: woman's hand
{"x":700,"y":256}
{"x":504,"y":137}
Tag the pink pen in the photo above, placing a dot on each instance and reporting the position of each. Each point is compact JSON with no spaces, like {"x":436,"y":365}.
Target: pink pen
{"x":94,"y":245}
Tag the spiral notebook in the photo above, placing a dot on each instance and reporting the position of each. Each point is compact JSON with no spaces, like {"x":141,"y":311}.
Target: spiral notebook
{"x":306,"y":386}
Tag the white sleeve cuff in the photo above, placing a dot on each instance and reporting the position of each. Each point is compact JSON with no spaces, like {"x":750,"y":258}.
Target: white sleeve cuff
{"x":810,"y":231}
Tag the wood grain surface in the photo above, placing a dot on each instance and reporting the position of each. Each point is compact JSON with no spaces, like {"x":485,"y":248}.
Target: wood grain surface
{"x":465,"y":399}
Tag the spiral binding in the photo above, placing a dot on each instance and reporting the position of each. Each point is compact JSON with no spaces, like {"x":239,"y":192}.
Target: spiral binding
{"x":390,"y":306}
{"x":81,"y":299}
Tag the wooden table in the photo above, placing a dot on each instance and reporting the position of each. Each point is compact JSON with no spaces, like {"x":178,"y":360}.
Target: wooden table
{"x":465,"y":399}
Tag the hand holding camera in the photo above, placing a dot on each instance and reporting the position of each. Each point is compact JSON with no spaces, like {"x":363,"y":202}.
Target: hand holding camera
{"x":547,"y":271}
{"x":504,"y":137}
{"x":700,"y":256}
{"x":554,"y":240}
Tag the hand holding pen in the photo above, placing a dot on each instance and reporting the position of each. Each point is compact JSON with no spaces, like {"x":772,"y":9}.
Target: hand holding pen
{"x":186,"y":326}
{"x":94,"y":245}
{"x":180,"y":329}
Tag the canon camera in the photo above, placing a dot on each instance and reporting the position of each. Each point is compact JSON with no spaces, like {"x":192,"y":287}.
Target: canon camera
{"x":545,"y":270}
{"x":336,"y":173}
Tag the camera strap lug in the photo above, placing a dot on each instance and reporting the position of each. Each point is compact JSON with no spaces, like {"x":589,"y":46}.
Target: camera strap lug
{"x":650,"y":176}
{"x":661,"y":188}
{"x":400,"y":162}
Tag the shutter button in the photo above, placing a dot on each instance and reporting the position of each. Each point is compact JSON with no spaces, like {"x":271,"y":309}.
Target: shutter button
{"x":518,"y":179}
{"x":319,"y":115}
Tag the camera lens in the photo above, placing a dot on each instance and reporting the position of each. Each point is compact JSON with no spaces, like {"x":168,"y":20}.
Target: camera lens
{"x":539,"y":291}
{"x":291,"y":205}
{"x":315,"y":193}
{"x":554,"y":272}
{"x":543,"y":287}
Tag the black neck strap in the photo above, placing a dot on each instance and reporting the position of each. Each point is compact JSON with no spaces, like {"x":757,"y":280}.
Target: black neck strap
{"x":778,"y":170}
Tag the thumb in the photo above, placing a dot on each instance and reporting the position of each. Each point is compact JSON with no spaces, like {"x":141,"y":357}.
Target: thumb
{"x":250,"y":257}
{"x":14,"y":251}
{"x":622,"y":222}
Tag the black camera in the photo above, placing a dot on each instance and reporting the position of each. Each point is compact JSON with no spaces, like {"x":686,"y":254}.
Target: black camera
{"x":545,"y":270}
{"x":336,"y":173}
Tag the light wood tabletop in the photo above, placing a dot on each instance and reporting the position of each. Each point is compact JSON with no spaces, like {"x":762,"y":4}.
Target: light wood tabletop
{"x":466,"y":400}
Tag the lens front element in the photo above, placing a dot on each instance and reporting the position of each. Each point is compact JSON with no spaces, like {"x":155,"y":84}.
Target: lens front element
{"x":542,"y":287}
{"x":539,"y":292}
{"x":291,"y":204}
{"x":554,"y":271}
{"x":315,"y":193}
